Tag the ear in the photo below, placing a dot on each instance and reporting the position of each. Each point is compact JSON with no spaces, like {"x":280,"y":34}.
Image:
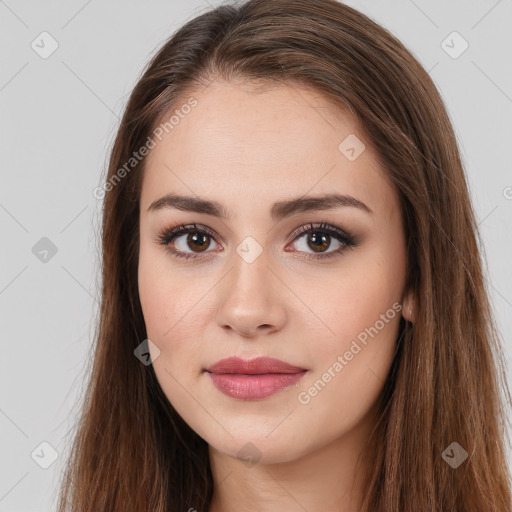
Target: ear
{"x":409,"y":307}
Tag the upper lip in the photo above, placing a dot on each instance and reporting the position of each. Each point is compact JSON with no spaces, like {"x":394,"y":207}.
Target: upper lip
{"x":256,"y":366}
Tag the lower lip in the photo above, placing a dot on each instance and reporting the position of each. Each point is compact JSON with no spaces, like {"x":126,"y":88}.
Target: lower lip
{"x":253,"y":387}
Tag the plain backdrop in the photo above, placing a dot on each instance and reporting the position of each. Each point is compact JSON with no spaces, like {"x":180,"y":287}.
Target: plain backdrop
{"x":66,"y":71}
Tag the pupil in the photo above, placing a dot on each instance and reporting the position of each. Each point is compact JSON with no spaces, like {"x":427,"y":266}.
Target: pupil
{"x":323,"y":239}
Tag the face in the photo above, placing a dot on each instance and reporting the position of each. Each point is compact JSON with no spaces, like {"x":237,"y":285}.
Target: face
{"x":250,"y":283}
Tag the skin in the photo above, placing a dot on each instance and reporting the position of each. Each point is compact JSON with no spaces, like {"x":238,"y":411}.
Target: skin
{"x":247,"y":150}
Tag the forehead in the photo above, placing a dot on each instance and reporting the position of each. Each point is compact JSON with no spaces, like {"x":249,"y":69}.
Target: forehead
{"x":239,"y":143}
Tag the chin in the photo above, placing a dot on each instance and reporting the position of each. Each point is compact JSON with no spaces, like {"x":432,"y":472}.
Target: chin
{"x":258,"y":449}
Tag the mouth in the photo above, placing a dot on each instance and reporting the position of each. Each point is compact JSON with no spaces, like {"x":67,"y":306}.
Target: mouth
{"x":255,"y":378}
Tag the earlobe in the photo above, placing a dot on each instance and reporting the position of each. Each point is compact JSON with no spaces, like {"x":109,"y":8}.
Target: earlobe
{"x":409,"y":307}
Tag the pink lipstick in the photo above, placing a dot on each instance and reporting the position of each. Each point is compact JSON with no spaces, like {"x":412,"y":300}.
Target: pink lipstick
{"x":253,"y":379}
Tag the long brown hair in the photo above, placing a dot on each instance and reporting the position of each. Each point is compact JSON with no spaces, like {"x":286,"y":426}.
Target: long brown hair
{"x":132,"y":451}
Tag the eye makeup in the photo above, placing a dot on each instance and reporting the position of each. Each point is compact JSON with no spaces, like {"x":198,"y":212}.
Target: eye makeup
{"x":167,"y":238}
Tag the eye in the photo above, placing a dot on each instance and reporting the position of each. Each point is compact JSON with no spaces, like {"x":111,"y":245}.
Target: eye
{"x":319,"y":238}
{"x":192,"y":237}
{"x":179,"y":240}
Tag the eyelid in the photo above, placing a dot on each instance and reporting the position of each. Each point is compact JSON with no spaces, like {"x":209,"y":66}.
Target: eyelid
{"x":322,"y":226}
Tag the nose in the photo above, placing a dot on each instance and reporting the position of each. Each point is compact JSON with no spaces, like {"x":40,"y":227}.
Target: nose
{"x":251,"y":299}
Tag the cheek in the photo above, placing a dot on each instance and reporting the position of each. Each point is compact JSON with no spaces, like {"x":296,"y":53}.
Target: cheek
{"x":171,"y":314}
{"x":367,"y":289}
{"x":163,"y":295}
{"x":362,"y":333}
{"x":349,"y":301}
{"x":174,"y":310}
{"x":352,"y":366}
{"x":361,"y":315}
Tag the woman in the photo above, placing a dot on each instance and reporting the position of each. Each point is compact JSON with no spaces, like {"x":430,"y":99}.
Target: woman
{"x":333,"y":348}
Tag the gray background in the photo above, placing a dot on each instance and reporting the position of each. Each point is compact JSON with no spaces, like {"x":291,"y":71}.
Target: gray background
{"x":59,"y":116}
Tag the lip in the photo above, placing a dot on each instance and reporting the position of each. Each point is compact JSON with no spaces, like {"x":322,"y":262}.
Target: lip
{"x":256,"y":366}
{"x":255,"y":378}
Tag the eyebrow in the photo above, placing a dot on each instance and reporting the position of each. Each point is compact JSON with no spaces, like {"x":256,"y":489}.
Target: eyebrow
{"x":279,"y":210}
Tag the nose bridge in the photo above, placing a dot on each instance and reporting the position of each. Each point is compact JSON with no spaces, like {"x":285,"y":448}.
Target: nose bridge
{"x":251,"y":273}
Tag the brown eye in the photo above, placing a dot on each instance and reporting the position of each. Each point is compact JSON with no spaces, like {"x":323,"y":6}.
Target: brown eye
{"x":198,"y":241}
{"x":186,"y":241}
{"x":318,"y":242}
{"x":319,"y":239}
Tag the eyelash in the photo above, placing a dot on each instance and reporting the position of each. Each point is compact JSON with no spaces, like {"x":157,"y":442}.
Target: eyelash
{"x":348,"y":241}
